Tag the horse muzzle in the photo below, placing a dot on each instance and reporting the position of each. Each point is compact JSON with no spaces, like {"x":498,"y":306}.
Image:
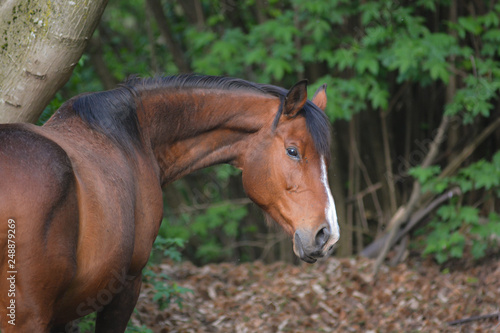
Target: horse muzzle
{"x":311,"y":246}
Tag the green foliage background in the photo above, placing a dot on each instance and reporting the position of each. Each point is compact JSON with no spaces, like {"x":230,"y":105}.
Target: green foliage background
{"x":394,"y":69}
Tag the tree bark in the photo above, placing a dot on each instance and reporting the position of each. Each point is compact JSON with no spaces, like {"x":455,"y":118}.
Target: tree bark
{"x":40,"y":44}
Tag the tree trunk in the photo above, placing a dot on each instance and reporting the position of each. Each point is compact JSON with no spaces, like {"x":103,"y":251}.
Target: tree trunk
{"x":173,"y":45}
{"x":337,"y":186}
{"x":194,"y":12}
{"x":451,"y":89}
{"x":40,"y":44}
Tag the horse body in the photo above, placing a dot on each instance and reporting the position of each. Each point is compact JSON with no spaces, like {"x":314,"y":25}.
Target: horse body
{"x":98,"y":237}
{"x":85,"y":188}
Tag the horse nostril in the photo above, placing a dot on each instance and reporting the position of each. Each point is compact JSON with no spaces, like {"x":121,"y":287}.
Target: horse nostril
{"x":322,"y":237}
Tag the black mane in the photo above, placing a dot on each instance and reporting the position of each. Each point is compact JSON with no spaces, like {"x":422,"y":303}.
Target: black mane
{"x":114,"y":112}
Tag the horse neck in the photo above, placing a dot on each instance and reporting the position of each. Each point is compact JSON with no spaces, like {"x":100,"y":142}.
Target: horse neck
{"x":194,"y":129}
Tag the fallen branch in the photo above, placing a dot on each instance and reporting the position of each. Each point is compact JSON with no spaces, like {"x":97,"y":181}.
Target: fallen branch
{"x":474,"y":318}
{"x":372,"y":250}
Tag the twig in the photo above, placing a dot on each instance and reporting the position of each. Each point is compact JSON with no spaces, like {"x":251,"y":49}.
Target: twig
{"x":366,"y":177}
{"x":370,"y":189}
{"x":362,"y":215}
{"x":415,"y":196}
{"x":473,"y":62}
{"x":419,"y":215}
{"x":194,"y":208}
{"x":467,"y":151}
{"x":388,"y":163}
{"x":474,"y":318}
{"x":372,"y":250}
{"x":400,"y":251}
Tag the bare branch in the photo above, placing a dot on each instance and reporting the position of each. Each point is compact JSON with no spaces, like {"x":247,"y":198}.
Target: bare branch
{"x":474,"y":318}
{"x":372,"y":250}
{"x":467,"y":151}
{"x":416,"y":194}
{"x":198,"y":207}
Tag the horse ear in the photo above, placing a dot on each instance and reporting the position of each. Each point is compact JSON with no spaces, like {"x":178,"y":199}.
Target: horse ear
{"x":295,"y":99}
{"x":319,"y":98}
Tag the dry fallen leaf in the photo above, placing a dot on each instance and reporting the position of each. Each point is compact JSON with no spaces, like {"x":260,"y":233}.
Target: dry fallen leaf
{"x":333,"y":295}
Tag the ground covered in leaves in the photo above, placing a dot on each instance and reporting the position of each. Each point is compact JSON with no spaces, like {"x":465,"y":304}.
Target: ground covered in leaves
{"x":336,"y":295}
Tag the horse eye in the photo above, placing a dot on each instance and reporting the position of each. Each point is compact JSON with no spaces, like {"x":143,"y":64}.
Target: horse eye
{"x":292,"y":152}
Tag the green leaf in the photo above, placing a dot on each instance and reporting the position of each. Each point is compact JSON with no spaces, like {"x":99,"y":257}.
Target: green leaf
{"x":209,"y":251}
{"x":200,"y":39}
{"x":469,"y":215}
{"x":465,"y":184}
{"x":376,"y":35}
{"x":470,"y":24}
{"x":441,"y":257}
{"x":439,"y":185}
{"x":493,"y":226}
{"x":379,"y":97}
{"x":492,"y":35}
{"x":308,"y":53}
{"x":439,"y":70}
{"x":428,"y":4}
{"x":371,"y":11}
{"x":490,"y":19}
{"x":343,"y":58}
{"x":318,"y":29}
{"x":423,"y":175}
{"x":457,"y":251}
{"x":478,"y":249}
{"x":447,"y":212}
{"x":367,"y":61}
{"x":494,"y":217}
{"x":277,"y":68}
{"x":456,"y":238}
{"x":255,"y":55}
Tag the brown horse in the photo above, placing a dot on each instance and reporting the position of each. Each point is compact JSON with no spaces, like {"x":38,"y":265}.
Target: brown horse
{"x":81,"y":200}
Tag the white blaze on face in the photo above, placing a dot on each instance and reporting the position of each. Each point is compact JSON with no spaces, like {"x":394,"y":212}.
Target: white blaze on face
{"x":330,"y":212}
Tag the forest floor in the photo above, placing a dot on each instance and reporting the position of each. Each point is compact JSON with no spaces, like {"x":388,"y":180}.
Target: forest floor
{"x":336,"y":295}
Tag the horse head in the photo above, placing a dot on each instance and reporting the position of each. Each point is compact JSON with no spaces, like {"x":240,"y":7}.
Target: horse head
{"x":285,"y":173}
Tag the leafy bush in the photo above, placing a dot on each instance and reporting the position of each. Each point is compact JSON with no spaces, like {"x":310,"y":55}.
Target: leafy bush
{"x":457,"y":228}
{"x":208,"y":218}
{"x":165,"y":292}
{"x":87,"y":323}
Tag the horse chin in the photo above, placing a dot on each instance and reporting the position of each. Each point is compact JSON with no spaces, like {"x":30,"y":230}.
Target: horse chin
{"x":309,"y":260}
{"x":299,"y":251}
